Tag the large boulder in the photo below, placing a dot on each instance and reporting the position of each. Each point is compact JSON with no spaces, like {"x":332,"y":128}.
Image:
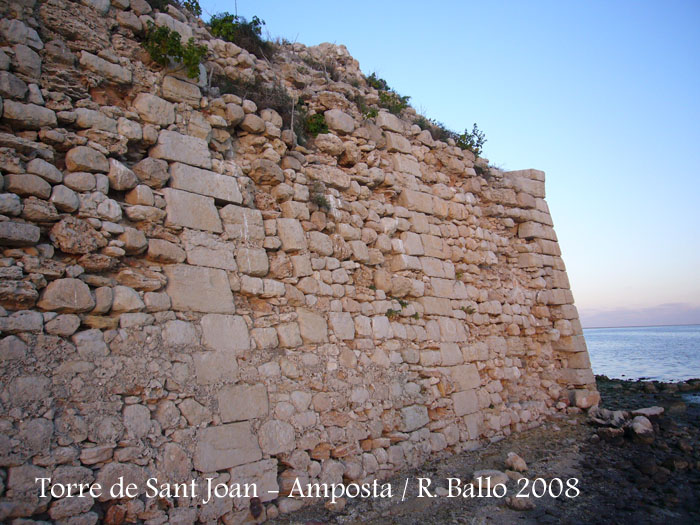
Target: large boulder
{"x":83,"y":158}
{"x":339,"y":121}
{"x":66,"y":295}
{"x":154,"y":109}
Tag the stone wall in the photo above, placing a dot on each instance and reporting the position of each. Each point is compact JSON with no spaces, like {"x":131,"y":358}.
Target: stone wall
{"x":179,"y":302}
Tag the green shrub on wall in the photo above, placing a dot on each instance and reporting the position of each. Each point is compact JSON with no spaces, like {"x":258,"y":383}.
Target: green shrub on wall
{"x":388,"y":98}
{"x":472,"y":140}
{"x":243,"y":33}
{"x":315,"y":124}
{"x":164,"y":45}
{"x":469,"y":140}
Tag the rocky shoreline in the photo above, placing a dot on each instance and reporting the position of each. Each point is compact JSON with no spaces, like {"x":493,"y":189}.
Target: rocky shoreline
{"x":627,"y":472}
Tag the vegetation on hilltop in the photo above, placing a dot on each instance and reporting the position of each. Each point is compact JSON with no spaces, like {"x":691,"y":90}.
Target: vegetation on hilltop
{"x":164,"y":44}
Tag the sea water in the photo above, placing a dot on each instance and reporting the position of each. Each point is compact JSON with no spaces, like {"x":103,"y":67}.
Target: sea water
{"x":662,"y":353}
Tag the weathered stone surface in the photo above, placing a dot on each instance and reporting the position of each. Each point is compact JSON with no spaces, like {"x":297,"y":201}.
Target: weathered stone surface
{"x":339,"y":121}
{"x":215,"y":367}
{"x":18,"y":234}
{"x":63,"y":325}
{"x":154,"y":109}
{"x":80,"y":181}
{"x":266,"y":172}
{"x":291,"y":234}
{"x":329,"y":143}
{"x":265,"y":338}
{"x":242,"y":402}
{"x":320,"y":243}
{"x":312,"y":326}
{"x":152,"y":172}
{"x":389,"y":122}
{"x":176,"y":147}
{"x":137,"y":420}
{"x":532,"y":230}
{"x":342,"y":325}
{"x":83,"y":158}
{"x":113,"y":72}
{"x":395,"y":142}
{"x":141,"y":279}
{"x":17,"y":295}
{"x":200,"y":256}
{"x":90,"y":344}
{"x":252,"y":261}
{"x":406,"y":164}
{"x":465,"y":402}
{"x":585,"y":399}
{"x":67,"y":295}
{"x":37,"y":210}
{"x":276,"y":437}
{"x":17,"y":32}
{"x":177,"y":463}
{"x":89,"y":118}
{"x":179,"y":333}
{"x":28,"y":116}
{"x":121,"y":178}
{"x":73,"y":235}
{"x":414,"y":417}
{"x":12,"y":348}
{"x":27,"y":184}
{"x":141,"y":195}
{"x":253,"y":124}
{"x":127,"y":473}
{"x":204,"y":182}
{"x":225,"y":333}
{"x":417,"y":201}
{"x":184,"y":29}
{"x":134,"y":241}
{"x":578,"y":376}
{"x":45,"y":170}
{"x":243,"y":223}
{"x":330,"y":175}
{"x":64,"y":198}
{"x":98,"y":454}
{"x":177,"y":90}
{"x":198,"y":289}
{"x":29,"y":388}
{"x":11,"y":86}
{"x":156,"y":302}
{"x":194,"y":412}
{"x":126,"y":299}
{"x":263,"y":474}
{"x":27,"y":63}
{"x":288,"y":335}
{"x":10,"y":204}
{"x":225,"y":446}
{"x":165,"y":251}
{"x":191,"y":211}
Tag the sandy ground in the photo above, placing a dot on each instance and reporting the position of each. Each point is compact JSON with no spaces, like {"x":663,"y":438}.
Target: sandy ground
{"x":621,"y":480}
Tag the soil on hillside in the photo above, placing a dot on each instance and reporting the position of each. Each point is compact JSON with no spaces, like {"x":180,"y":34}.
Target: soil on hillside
{"x":621,"y":479}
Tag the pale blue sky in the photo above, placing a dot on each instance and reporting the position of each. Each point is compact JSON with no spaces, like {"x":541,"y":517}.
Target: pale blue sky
{"x":602,"y":96}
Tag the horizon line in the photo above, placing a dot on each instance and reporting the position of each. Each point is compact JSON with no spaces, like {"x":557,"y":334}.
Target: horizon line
{"x":638,"y":326}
